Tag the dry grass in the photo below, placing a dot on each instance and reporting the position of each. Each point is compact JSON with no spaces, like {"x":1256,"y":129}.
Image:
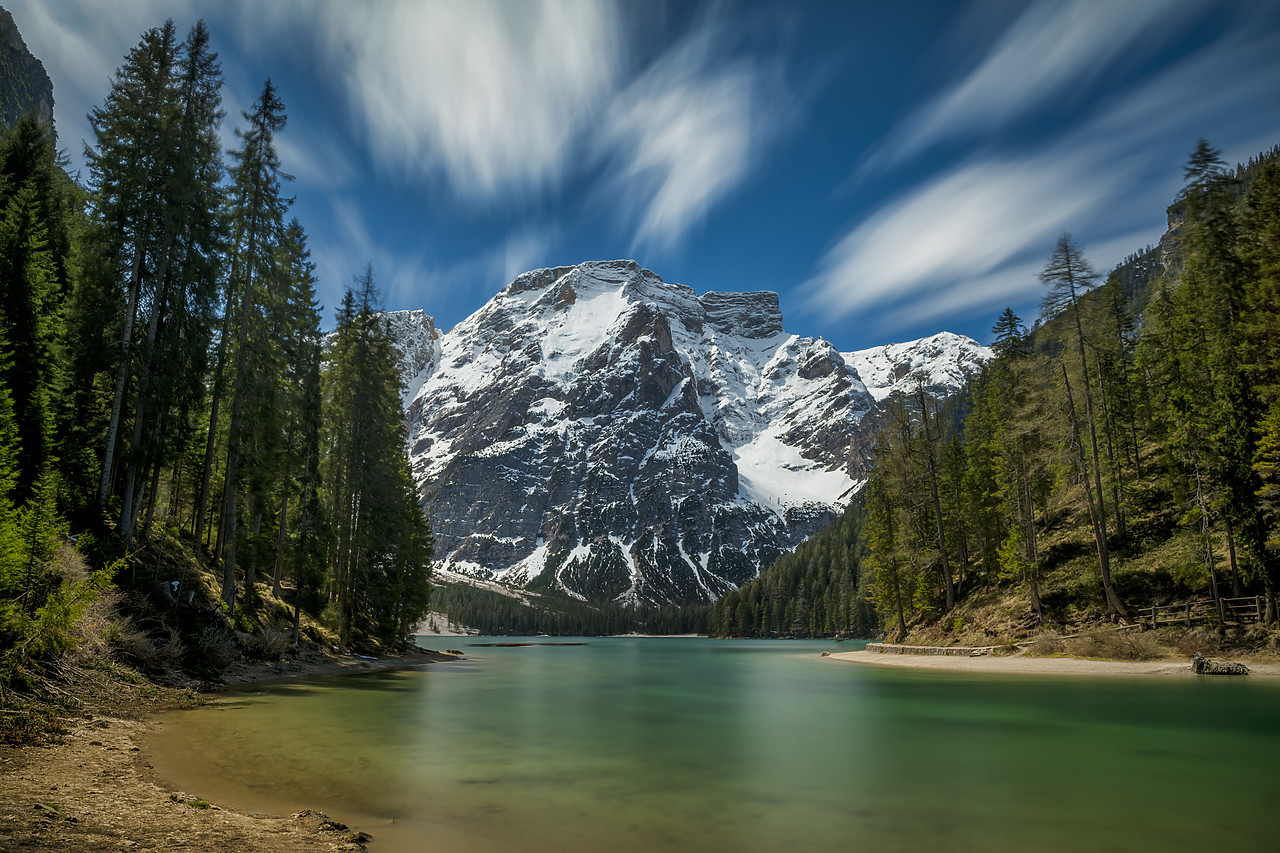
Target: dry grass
{"x":1116,"y":645}
{"x":1047,"y":643}
{"x":217,"y":646}
{"x":270,"y":643}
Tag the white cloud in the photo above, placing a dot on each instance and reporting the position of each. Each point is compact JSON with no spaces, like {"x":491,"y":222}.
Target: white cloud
{"x":522,"y":251}
{"x":490,"y":95}
{"x":961,"y":227}
{"x":315,"y":157}
{"x":403,"y":278}
{"x":1050,"y":54}
{"x":959,"y":243}
{"x":683,"y":136}
{"x":506,"y":98}
{"x":81,"y":44}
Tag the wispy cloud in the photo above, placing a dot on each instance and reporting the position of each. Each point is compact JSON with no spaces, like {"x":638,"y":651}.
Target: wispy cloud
{"x":684,"y":135}
{"x":316,"y":157}
{"x":970,"y":238}
{"x":524,"y":250}
{"x":496,"y":101}
{"x":79,"y":43}
{"x":488,"y":95}
{"x":403,"y":278}
{"x":1051,"y":53}
{"x":504,"y":100}
{"x":958,"y":229}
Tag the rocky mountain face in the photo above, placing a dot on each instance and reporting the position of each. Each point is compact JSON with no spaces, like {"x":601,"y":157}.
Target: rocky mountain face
{"x":24,"y":85}
{"x":598,"y":432}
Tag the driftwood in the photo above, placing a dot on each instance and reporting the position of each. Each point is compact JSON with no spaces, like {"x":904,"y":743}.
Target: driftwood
{"x":1202,"y":665}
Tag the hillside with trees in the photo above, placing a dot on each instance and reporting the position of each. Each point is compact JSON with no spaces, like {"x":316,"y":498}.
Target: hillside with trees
{"x":1122,"y":452}
{"x":817,"y":590}
{"x":188,"y":472}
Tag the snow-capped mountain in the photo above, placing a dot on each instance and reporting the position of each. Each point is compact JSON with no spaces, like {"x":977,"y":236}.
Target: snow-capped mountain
{"x":596,"y":431}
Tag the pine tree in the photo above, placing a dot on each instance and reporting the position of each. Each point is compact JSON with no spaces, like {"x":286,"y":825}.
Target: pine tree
{"x":185,"y":273}
{"x":32,"y":224}
{"x":1069,"y":277}
{"x":133,"y":132}
{"x":382,"y":544}
{"x":257,"y":213}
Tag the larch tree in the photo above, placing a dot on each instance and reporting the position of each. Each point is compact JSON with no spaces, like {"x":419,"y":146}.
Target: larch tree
{"x":1069,"y":276}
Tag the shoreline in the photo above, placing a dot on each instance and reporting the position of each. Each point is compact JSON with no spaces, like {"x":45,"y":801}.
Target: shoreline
{"x":96,"y":788}
{"x":1025,"y":665}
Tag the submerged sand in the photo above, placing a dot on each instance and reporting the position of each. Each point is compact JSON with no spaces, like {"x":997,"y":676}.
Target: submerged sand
{"x":97,"y":789}
{"x":1026,"y":664}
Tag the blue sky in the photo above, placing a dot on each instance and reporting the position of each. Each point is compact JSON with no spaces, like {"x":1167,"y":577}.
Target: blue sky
{"x":891,"y":169}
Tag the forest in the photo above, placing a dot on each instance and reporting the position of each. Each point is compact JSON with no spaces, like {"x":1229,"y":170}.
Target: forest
{"x":1122,"y":452}
{"x":182,"y":451}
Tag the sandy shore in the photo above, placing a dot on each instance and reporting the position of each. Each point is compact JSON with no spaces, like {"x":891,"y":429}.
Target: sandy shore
{"x":1042,"y":666}
{"x":96,"y":791}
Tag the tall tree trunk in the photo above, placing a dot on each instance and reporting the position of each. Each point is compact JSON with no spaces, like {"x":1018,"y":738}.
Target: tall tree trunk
{"x":1117,"y":472}
{"x":931,"y":465}
{"x":235,"y":432}
{"x":281,"y":537}
{"x":122,"y":377}
{"x":128,"y":518}
{"x":1029,"y":524}
{"x":1114,"y":607}
{"x":1231,"y":557}
{"x":154,"y":491}
{"x":1206,"y":542}
{"x":219,"y":387}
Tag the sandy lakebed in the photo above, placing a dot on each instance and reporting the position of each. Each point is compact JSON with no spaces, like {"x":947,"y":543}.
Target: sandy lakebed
{"x":97,"y":790}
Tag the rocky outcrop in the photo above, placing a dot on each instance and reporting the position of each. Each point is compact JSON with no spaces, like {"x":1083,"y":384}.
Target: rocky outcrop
{"x":24,"y":85}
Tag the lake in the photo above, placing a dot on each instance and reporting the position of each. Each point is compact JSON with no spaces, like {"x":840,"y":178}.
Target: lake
{"x":718,"y":745}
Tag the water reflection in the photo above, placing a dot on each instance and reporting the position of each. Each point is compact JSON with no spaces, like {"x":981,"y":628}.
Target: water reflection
{"x":717,"y":745}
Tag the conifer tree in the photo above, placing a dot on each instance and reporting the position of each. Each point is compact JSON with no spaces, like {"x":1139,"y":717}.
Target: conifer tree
{"x":185,"y":274}
{"x":382,"y":544}
{"x":133,"y":134}
{"x":1069,"y":277}
{"x":33,"y":247}
{"x":257,"y":214}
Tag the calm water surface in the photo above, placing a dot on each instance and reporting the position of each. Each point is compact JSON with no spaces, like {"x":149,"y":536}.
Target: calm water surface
{"x":711,"y":745}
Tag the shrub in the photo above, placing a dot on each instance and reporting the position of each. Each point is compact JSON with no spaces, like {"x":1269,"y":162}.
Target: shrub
{"x":1116,"y":645}
{"x":1047,"y":643}
{"x":217,"y":646}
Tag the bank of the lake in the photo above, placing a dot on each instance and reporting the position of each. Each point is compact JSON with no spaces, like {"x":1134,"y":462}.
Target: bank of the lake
{"x":96,"y":789}
{"x":1031,"y":665}
{"x":641,"y":744}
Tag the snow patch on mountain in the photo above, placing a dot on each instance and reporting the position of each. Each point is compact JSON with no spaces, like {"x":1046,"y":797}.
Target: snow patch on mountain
{"x":943,"y":362}
{"x":599,"y":432}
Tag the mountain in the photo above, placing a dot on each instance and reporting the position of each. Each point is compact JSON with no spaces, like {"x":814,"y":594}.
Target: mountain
{"x":24,"y":85}
{"x":598,"y":432}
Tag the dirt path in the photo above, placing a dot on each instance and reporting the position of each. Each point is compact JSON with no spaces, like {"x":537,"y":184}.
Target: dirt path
{"x":95,"y":791}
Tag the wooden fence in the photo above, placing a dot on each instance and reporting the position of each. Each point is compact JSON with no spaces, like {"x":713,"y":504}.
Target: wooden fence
{"x":1249,"y":609}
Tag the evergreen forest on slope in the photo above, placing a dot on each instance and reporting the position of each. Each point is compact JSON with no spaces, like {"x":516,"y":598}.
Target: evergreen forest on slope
{"x":189,"y":471}
{"x":1122,"y":452}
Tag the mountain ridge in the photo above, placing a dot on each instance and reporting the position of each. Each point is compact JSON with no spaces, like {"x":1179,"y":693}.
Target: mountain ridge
{"x":596,"y":431}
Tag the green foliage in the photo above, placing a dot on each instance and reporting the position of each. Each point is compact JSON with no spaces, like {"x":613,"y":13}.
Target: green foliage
{"x":382,"y":545}
{"x":1142,"y":452}
{"x":496,"y":614}
{"x":813,"y":591}
{"x":45,"y":589}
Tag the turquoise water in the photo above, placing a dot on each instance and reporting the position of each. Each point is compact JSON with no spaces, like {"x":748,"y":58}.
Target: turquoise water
{"x":710,"y":745}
